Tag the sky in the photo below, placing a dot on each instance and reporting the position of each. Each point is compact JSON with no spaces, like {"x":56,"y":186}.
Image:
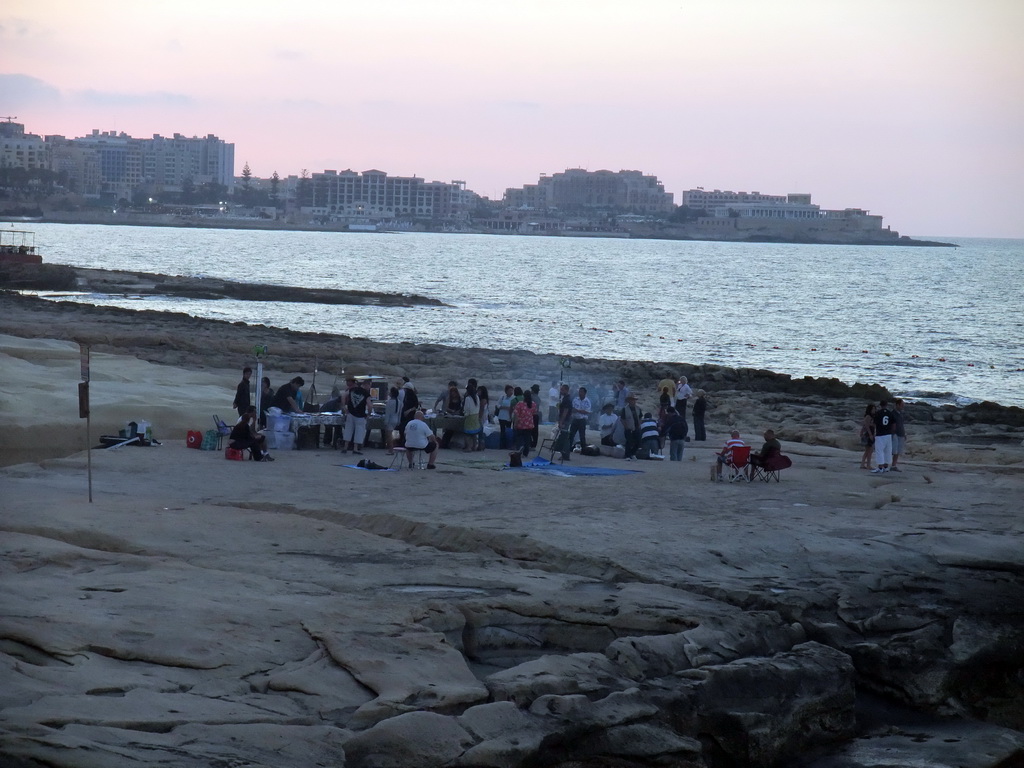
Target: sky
{"x":912,"y":109}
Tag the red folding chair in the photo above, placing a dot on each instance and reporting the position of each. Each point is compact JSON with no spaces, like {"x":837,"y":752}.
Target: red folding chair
{"x":770,"y":467}
{"x":738,"y":462}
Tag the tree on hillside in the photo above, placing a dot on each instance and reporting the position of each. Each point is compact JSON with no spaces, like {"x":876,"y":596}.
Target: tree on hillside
{"x":188,"y":190}
{"x":304,"y":189}
{"x":685,"y":213}
{"x":275,"y":182}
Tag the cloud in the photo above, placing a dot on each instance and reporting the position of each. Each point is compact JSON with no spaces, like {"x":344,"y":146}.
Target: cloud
{"x":27,"y":91}
{"x":24,"y":91}
{"x":93,"y":98}
{"x":15,"y":28}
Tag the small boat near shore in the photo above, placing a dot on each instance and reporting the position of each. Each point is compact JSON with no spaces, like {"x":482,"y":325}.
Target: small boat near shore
{"x":18,"y":246}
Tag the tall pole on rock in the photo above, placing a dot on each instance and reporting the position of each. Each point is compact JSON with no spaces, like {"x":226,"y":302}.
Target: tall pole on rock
{"x":259,"y":352}
{"x":83,"y":411}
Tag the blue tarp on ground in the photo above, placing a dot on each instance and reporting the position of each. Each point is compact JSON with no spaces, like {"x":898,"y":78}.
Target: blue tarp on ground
{"x":356,"y":466}
{"x":545,"y":467}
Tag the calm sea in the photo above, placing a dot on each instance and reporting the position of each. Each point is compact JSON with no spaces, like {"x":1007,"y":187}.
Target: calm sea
{"x":940,"y":322}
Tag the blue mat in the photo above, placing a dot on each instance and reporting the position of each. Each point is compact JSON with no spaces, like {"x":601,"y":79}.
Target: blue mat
{"x":356,"y":466}
{"x":545,"y":467}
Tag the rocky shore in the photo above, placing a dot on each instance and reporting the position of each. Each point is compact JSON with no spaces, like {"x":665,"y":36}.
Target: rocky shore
{"x":52,"y":277}
{"x":203,"y":612}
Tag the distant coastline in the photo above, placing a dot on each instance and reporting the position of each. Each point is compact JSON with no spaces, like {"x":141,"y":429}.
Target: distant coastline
{"x":162,"y":220}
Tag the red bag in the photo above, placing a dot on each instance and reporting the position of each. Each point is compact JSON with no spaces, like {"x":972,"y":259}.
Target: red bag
{"x":194,"y":439}
{"x":234,"y":454}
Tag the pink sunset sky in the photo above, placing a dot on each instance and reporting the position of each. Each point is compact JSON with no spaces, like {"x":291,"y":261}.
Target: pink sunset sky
{"x":913,"y":109}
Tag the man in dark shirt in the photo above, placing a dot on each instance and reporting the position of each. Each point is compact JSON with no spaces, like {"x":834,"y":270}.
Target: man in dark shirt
{"x":675,"y":430}
{"x":771,"y":447}
{"x":884,"y":423}
{"x":899,"y":435}
{"x":285,"y":397}
{"x":630,"y":415}
{"x":356,"y":400}
{"x":242,"y":401}
{"x":564,"y":420}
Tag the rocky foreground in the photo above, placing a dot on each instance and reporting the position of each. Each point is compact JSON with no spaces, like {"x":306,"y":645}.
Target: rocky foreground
{"x":201,"y":612}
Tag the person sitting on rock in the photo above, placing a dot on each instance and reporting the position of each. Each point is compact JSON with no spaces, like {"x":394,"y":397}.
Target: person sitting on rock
{"x":724,"y":456}
{"x":244,"y":437}
{"x":419,"y":437}
{"x":771,"y":447}
{"x":610,"y":424}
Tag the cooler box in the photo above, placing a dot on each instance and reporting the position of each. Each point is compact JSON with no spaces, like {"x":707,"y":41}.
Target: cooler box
{"x":493,"y":440}
{"x":281,"y":422}
{"x":280,"y":441}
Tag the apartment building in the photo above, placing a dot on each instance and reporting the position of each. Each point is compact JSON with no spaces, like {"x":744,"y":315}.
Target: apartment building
{"x":795,"y":206}
{"x":576,"y":190}
{"x":374,"y":195}
{"x":19,"y":149}
{"x":116,"y":165}
{"x":167,"y":162}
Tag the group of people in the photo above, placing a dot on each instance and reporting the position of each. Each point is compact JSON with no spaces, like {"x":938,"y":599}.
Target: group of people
{"x":518,"y":413}
{"x":883,"y":435}
{"x":724,"y":458}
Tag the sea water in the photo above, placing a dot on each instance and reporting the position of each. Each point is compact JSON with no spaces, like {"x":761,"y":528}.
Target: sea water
{"x":939,"y":323}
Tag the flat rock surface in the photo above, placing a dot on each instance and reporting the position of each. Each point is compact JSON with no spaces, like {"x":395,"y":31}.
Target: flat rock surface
{"x":200,"y":611}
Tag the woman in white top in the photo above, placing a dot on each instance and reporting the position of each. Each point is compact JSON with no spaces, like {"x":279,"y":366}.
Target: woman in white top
{"x":683,"y":393}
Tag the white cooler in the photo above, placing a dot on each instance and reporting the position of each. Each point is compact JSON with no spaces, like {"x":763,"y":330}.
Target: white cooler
{"x":280,"y":441}
{"x":281,"y":422}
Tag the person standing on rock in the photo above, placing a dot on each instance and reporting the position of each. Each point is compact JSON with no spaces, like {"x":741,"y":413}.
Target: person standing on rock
{"x":867,"y":436}
{"x":683,"y":392}
{"x":242,"y":400}
{"x":899,"y":434}
{"x":564,"y":421}
{"x":631,"y":418}
{"x":580,"y":415}
{"x":622,"y":394}
{"x":884,"y":423}
{"x":410,"y":405}
{"x":535,"y":389}
{"x":553,"y":402}
{"x":356,"y":400}
{"x":674,"y":430}
{"x":266,"y":399}
{"x":700,"y":407}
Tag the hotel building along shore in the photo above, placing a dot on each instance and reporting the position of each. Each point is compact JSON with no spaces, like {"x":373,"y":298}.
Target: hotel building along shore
{"x":153,"y":181}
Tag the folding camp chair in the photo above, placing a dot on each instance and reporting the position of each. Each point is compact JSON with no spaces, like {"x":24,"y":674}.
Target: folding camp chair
{"x":770,"y":467}
{"x":738,"y":463}
{"x":554,"y":444}
{"x":409,"y":458}
{"x":223,"y":430}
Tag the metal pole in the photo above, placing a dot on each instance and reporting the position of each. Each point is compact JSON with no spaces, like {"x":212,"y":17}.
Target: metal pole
{"x":85,"y":410}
